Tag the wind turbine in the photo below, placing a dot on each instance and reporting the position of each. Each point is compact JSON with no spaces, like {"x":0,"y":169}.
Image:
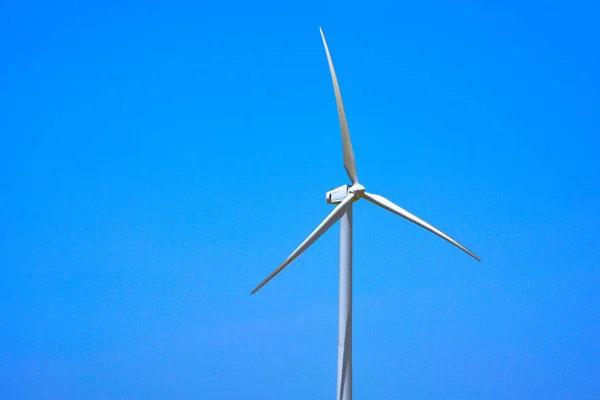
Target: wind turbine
{"x":344,"y":196}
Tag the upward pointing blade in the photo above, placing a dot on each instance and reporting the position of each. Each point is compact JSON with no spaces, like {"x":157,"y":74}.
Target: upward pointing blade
{"x":331,"y":219}
{"x":388,"y":205}
{"x":349,"y":163}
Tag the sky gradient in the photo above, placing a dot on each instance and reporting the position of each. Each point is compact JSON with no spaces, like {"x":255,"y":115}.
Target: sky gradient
{"x":160,"y":159}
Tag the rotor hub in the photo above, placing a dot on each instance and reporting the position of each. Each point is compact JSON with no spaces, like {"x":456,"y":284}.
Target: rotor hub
{"x":357,"y":189}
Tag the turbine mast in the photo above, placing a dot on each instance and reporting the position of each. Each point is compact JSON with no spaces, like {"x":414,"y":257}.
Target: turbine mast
{"x":344,"y":365}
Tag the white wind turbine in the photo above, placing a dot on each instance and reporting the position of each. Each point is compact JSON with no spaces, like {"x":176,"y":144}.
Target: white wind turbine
{"x":344,"y":196}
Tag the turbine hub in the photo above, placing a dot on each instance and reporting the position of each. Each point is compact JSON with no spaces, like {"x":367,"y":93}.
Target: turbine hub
{"x":357,"y":189}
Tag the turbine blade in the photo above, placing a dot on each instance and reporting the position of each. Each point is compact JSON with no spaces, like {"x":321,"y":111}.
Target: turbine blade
{"x":388,"y":205}
{"x":331,"y":219}
{"x":349,"y":163}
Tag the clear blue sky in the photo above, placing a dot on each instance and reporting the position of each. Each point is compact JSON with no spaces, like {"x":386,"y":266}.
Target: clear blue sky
{"x":159,"y":159}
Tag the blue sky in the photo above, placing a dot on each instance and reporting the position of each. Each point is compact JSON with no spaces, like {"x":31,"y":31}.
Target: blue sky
{"x":158,"y":160}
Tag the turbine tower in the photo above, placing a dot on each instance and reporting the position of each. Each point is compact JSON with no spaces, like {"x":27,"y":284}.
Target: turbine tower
{"x":344,"y":196}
